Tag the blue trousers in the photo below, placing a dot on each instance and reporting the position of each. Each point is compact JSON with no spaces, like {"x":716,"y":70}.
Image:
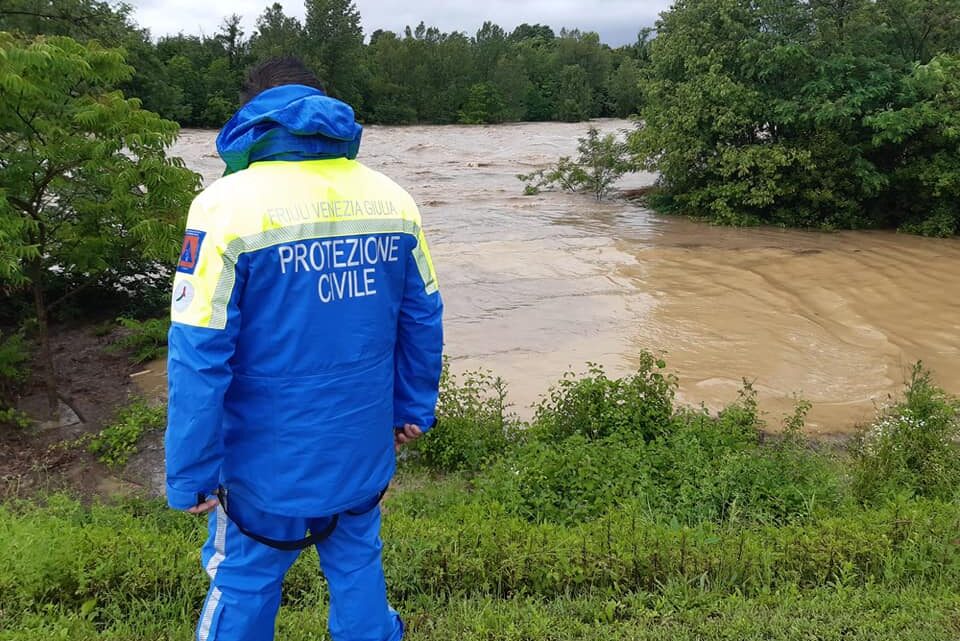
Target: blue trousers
{"x":246,"y":576}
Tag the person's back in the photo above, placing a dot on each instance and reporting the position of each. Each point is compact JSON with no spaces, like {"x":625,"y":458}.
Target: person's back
{"x":306,"y":328}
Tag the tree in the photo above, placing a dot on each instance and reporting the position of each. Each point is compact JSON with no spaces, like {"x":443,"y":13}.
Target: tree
{"x":921,"y":135}
{"x":490,"y":45}
{"x":539,"y":34}
{"x":602,"y":161}
{"x":277,"y":35}
{"x":85,"y":185}
{"x":231,"y":39}
{"x":574,"y":98}
{"x":334,"y":47}
{"x":514,"y":84}
{"x":767,"y":112}
{"x":111,"y":25}
{"x":624,"y":88}
{"x":484,"y":105}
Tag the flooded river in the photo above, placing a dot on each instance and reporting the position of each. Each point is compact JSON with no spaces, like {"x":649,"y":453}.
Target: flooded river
{"x":538,"y":285}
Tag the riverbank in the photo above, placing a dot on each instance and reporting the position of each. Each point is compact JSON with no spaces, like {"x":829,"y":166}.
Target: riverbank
{"x":538,"y":285}
{"x":618,"y":514}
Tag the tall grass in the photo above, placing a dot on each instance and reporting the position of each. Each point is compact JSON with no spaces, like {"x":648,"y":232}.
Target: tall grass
{"x":594,"y":522}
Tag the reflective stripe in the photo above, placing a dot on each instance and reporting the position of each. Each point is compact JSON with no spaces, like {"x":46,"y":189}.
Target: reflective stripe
{"x":206,"y":621}
{"x":421,"y":254}
{"x":219,"y":544}
{"x":227,"y":277}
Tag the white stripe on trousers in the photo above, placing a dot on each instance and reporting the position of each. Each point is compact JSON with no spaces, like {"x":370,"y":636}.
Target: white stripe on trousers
{"x":219,"y":544}
{"x":219,"y":552}
{"x":206,"y":621}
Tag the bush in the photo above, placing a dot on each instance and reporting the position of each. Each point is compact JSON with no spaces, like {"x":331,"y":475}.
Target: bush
{"x":146,"y":340}
{"x":602,"y":161}
{"x":788,"y":114}
{"x":596,"y":406}
{"x":572,"y":481}
{"x":912,"y":447}
{"x":720,"y":469}
{"x":598,"y":444}
{"x":14,"y":359}
{"x":116,"y":443}
{"x":473,"y":425}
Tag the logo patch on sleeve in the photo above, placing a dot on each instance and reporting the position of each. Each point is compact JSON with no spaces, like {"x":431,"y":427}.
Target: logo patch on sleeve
{"x":190,"y":252}
{"x":183,"y":294}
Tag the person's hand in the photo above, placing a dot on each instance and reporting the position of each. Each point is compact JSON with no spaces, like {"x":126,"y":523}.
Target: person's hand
{"x":203,"y":508}
{"x":407,"y":434}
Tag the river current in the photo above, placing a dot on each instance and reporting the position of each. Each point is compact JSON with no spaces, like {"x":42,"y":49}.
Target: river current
{"x":538,"y":285}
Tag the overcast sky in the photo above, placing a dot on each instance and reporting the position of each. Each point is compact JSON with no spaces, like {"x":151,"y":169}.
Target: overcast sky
{"x":617,"y":21}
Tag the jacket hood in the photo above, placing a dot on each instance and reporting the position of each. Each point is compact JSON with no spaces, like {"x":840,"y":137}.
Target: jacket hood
{"x":290,"y":122}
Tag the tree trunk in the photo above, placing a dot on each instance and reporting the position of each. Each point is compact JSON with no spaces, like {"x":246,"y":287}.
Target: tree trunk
{"x":46,"y":355}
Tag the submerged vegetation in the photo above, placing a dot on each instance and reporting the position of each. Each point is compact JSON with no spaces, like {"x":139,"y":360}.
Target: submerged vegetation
{"x":616,"y":514}
{"x":602,"y":161}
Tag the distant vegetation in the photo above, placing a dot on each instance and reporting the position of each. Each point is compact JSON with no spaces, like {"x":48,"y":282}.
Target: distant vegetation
{"x":827,"y":114}
{"x":420,"y":75}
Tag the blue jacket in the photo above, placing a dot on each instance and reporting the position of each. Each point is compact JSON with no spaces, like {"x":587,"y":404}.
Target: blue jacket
{"x":306,"y":317}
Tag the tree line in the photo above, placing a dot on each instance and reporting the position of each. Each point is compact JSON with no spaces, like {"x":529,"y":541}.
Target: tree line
{"x":422,"y":75}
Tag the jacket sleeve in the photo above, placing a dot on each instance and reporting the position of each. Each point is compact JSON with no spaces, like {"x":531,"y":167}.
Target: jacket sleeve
{"x":419,"y":351}
{"x":203,"y":332}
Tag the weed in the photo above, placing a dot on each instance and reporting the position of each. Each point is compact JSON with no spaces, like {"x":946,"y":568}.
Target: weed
{"x":114,"y":444}
{"x":146,"y":340}
{"x":912,"y":447}
{"x":473,"y":426}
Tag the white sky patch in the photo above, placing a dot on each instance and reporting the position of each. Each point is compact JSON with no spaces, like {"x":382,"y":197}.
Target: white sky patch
{"x":617,"y":21}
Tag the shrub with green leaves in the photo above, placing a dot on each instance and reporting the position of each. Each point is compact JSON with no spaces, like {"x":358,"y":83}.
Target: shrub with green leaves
{"x":913,"y":446}
{"x":145,"y":340}
{"x":14,"y":359}
{"x":793,"y":113}
{"x":116,"y":443}
{"x":599,"y":443}
{"x":721,"y":469}
{"x":602,"y":161}
{"x":595,"y":406}
{"x":473,"y":423}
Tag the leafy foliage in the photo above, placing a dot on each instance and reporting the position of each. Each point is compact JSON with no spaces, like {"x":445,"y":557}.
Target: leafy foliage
{"x":116,"y":443}
{"x":146,"y":340}
{"x":484,"y":105}
{"x":14,"y":362}
{"x":417,"y":75}
{"x":128,"y":571}
{"x":594,"y":406}
{"x":805,"y":114}
{"x":598,"y":444}
{"x":473,"y":424}
{"x":714,"y":535}
{"x":913,"y":445}
{"x":86,"y":188}
{"x":602,"y":161}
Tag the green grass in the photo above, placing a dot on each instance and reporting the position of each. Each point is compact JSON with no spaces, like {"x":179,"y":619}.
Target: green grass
{"x":615,"y":516}
{"x":131,"y":571}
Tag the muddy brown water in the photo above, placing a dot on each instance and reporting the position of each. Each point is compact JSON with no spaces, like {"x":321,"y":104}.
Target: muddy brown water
{"x":535,"y":286}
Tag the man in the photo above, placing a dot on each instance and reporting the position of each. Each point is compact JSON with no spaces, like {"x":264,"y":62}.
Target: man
{"x":305,"y":346}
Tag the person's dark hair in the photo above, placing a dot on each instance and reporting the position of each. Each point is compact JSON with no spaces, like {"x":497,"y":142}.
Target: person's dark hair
{"x":274,"y":73}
